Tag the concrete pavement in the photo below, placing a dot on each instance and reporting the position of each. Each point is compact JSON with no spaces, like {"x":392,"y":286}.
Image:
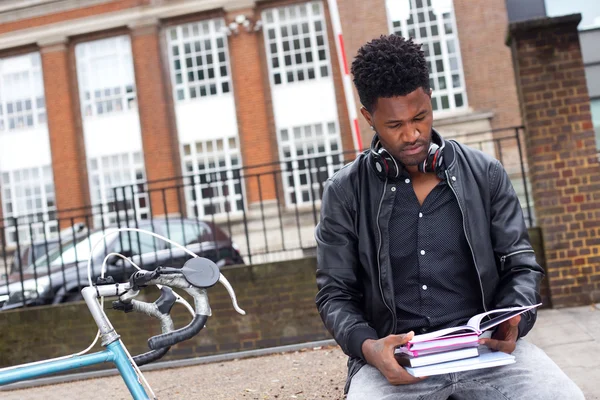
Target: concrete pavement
{"x":571,"y":337}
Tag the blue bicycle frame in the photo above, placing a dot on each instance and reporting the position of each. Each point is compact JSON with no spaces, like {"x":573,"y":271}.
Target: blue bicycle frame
{"x":115,"y":352}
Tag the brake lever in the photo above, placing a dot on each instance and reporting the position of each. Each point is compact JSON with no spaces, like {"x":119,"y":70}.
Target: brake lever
{"x":223,"y":281}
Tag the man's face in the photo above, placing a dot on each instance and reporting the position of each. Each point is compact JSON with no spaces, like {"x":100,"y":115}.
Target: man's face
{"x":403,"y":124}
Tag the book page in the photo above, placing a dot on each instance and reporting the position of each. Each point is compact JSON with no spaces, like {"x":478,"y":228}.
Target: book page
{"x":505,"y":314}
{"x":474,"y":324}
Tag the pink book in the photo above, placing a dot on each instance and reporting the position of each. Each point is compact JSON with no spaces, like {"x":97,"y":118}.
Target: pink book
{"x":453,"y":342}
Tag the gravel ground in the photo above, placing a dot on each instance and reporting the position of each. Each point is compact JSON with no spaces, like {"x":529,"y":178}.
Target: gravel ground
{"x":317,"y":373}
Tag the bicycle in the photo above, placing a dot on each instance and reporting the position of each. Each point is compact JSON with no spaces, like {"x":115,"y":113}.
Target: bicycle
{"x":195,"y":277}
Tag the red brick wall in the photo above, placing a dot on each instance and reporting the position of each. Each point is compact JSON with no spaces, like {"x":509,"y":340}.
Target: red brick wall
{"x":362,"y":21}
{"x":564,"y":169}
{"x":66,"y":138}
{"x":487,"y":63}
{"x":342,"y":107}
{"x":250,"y":89}
{"x":81,"y":12}
{"x":161,"y":152}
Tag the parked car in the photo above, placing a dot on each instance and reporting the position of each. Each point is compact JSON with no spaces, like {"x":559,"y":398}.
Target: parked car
{"x":68,"y":263}
{"x":29,"y":253}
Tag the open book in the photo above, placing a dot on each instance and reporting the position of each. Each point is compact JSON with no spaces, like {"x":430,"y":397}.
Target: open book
{"x":474,"y":325}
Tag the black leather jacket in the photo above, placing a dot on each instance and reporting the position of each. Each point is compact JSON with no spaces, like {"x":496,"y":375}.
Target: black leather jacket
{"x":354,"y":275}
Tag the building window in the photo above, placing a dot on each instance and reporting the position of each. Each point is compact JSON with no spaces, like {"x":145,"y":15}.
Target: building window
{"x":117,"y":183}
{"x":106,"y":77}
{"x":199,"y":60}
{"x":213,"y":183}
{"x":28,"y":195}
{"x":22,"y":103}
{"x":435,"y":28}
{"x":296,"y":43}
{"x":310,"y":154}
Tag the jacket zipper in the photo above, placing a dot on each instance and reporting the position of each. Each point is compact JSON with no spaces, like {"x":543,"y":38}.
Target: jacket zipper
{"x":379,"y":261}
{"x":503,"y":258}
{"x":467,"y":237}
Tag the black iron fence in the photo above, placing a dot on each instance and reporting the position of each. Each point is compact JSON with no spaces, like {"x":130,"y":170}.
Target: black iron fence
{"x":246,"y":215}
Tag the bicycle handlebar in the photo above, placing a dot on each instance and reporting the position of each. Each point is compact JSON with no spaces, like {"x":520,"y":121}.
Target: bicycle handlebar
{"x":196,"y":275}
{"x":160,"y":309}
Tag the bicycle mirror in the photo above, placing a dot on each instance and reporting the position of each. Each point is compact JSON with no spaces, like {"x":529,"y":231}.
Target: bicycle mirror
{"x":201,"y":272}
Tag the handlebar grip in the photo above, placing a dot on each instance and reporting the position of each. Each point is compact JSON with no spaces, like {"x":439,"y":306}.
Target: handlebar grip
{"x":150,"y":356}
{"x":185,"y":333}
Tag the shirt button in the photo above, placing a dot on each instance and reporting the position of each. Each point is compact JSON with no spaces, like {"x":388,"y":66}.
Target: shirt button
{"x":454,"y":179}
{"x":424,"y":287}
{"x":407,"y":180}
{"x":393,"y":188}
{"x":420,"y":215}
{"x":423,"y":330}
{"x":422,"y":252}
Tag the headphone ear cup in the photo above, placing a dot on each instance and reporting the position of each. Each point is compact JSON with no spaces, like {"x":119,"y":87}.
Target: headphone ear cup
{"x":392,"y":166}
{"x":384,"y":164}
{"x":379,"y":164}
{"x":433,"y":160}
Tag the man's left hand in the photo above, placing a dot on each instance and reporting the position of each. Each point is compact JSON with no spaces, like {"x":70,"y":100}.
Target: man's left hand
{"x":505,"y":337}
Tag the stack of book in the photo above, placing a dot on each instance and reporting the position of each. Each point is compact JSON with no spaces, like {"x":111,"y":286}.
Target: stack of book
{"x":435,"y":351}
{"x":456,"y":349}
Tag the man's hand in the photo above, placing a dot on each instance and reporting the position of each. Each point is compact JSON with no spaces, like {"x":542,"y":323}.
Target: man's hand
{"x":505,"y":337}
{"x":380,"y":354}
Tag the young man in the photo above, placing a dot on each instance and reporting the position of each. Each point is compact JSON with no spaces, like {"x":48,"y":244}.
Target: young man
{"x":418,"y":234}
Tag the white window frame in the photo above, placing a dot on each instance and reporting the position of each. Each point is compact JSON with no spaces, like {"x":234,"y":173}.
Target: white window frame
{"x":436,"y":79}
{"x":28,"y":109}
{"x":28,"y":196}
{"x":221,"y":174}
{"x":595,"y":112}
{"x":192,"y":39}
{"x":99,"y":101}
{"x":107,"y":173}
{"x":286,"y":18}
{"x":299,"y":148}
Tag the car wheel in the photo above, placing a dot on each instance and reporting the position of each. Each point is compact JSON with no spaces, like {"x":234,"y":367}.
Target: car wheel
{"x":73,"y":296}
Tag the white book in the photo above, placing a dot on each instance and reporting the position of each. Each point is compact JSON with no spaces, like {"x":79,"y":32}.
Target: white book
{"x":409,"y":361}
{"x":486,"y":359}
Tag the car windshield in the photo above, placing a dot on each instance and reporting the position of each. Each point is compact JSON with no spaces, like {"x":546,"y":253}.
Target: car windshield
{"x":74,"y":251}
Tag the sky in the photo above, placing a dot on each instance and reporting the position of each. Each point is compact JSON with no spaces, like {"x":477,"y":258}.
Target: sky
{"x":589,"y":9}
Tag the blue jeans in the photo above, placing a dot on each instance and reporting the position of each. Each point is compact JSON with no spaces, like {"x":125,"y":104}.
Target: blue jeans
{"x":533,"y":376}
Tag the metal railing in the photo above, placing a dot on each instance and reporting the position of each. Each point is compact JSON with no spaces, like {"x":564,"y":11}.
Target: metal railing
{"x":251,"y":214}
{"x":507,"y":145}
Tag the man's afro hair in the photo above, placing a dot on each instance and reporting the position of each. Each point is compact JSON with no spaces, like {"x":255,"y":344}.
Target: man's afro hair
{"x":389,"y":66}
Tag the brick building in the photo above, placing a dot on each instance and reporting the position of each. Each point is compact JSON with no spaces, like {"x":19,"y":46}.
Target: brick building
{"x":101,"y":93}
{"x":589,"y":37}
